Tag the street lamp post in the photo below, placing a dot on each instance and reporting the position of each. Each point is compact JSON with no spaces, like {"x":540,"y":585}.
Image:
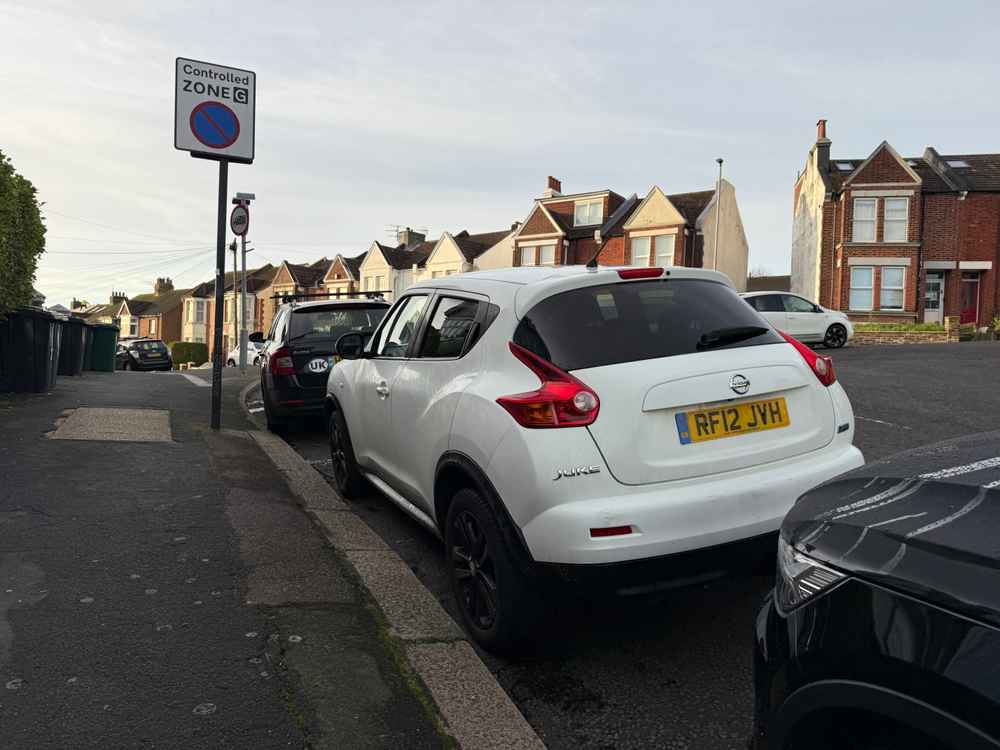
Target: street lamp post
{"x":718,"y":214}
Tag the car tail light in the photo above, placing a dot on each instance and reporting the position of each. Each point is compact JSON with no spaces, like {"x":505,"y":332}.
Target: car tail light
{"x":560,"y":401}
{"x":281,"y":362}
{"x":640,"y":273}
{"x":821,"y":365}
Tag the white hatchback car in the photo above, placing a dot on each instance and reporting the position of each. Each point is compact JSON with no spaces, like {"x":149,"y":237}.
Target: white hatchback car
{"x":801,"y":318}
{"x":563,"y":420}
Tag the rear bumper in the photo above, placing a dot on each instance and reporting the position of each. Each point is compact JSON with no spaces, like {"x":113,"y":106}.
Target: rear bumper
{"x":684,"y":515}
{"x":295,"y":401}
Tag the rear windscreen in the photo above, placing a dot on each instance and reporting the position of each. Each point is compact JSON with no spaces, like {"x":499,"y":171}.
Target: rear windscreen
{"x":150,"y":346}
{"x":332,"y":323}
{"x":626,"y":322}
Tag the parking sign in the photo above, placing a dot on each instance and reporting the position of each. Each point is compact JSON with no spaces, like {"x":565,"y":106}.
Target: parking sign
{"x":214,"y":109}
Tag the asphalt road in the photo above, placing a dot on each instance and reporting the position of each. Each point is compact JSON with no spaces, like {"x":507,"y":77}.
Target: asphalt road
{"x":675,"y":672}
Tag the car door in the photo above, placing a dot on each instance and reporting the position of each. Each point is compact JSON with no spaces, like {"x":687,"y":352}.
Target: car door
{"x":275,"y":340}
{"x":806,"y":322}
{"x":427,"y":390}
{"x":375,"y":382}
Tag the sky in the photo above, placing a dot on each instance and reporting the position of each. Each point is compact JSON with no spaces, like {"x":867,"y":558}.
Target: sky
{"x":450,"y":115}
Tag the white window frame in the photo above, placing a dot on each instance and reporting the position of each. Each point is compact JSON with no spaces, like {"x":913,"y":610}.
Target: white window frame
{"x":664,"y":258}
{"x":903,"y":222}
{"x":870,"y":288}
{"x":152,"y":326}
{"x":543,"y":250}
{"x":883,"y":288}
{"x":856,"y":222}
{"x":637,"y":261}
{"x":589,"y":207}
{"x":522,"y":251}
{"x":133,"y":326}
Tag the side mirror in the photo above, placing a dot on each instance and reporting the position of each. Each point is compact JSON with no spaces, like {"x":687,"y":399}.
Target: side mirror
{"x":350,"y":345}
{"x":256,"y":337}
{"x":817,"y":308}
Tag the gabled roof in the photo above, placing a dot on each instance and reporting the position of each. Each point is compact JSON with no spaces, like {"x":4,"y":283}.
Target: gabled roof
{"x":257,"y":278}
{"x":557,"y":226}
{"x":96,"y":311}
{"x":884,"y":146}
{"x":308,"y":275}
{"x":937,"y":175}
{"x":401,"y":257}
{"x":474,"y":245}
{"x":156,"y":304}
{"x":691,"y":205}
{"x":353,"y":265}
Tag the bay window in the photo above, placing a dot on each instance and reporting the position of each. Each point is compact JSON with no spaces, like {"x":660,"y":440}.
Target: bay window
{"x":891,"y":288}
{"x":664,"y":244}
{"x":861,"y":287}
{"x":896,"y":219}
{"x":640,"y":251}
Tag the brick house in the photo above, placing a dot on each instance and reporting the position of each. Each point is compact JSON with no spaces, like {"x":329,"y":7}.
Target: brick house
{"x":156,"y":315}
{"x":344,"y":276}
{"x":291,"y":278}
{"x":657,"y":230}
{"x":199,"y":307}
{"x":888,"y":238}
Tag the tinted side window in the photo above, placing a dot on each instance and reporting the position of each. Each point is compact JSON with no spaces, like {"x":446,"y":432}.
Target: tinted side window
{"x":450,"y":327}
{"x":396,"y":337}
{"x":769,"y":303}
{"x":797,"y":304}
{"x":628,"y":322}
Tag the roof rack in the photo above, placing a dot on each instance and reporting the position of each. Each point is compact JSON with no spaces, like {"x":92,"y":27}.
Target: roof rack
{"x":370,"y":294}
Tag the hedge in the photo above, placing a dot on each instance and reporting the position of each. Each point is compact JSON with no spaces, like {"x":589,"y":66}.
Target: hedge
{"x":189,"y":351}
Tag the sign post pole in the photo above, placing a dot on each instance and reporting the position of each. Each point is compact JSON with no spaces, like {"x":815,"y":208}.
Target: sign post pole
{"x":220,"y":282}
{"x":243,"y":308}
{"x":214,"y":118}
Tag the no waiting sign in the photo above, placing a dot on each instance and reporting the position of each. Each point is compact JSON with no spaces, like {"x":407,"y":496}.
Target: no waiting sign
{"x":214,"y":108}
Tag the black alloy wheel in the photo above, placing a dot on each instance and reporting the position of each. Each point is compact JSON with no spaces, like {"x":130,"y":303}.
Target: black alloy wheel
{"x":231,"y":363}
{"x":836,"y":336}
{"x":474,"y":571}
{"x":346,"y":474}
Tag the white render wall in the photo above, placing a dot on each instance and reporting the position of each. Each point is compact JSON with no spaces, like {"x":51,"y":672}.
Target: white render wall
{"x":734,"y":251}
{"x":807,"y":223}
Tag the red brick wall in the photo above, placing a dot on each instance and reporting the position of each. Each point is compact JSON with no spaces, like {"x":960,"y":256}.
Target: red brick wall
{"x":538,"y":223}
{"x":883,"y":168}
{"x":871,"y":251}
{"x":613,"y":253}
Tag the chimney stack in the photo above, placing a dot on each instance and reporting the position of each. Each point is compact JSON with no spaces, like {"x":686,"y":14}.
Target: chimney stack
{"x":407,"y":237}
{"x":164,"y":284}
{"x":553,"y":188}
{"x":117,"y":297}
{"x":822,"y":148}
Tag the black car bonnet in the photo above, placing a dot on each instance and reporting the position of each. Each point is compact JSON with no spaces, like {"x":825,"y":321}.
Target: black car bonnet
{"x":925,"y":522}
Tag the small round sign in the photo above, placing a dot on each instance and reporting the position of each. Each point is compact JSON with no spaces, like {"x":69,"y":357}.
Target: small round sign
{"x":239,"y":220}
{"x":215,"y":125}
{"x":320,"y":364}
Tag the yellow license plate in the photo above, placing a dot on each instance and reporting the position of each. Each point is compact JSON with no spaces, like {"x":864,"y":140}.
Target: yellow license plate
{"x":732,"y":419}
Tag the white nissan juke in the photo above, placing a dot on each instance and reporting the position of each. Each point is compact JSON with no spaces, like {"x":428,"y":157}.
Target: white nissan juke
{"x":557,"y":423}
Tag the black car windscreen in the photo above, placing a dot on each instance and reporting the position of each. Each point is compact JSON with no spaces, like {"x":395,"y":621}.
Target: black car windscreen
{"x":636,"y":320}
{"x":150,"y":346}
{"x":331,"y":323}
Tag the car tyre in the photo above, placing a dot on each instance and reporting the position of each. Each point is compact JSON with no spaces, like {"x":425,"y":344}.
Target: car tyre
{"x":274,"y":424}
{"x":256,"y":361}
{"x":836,"y":336}
{"x":231,"y":363}
{"x":346,"y":474}
{"x":496,"y":602}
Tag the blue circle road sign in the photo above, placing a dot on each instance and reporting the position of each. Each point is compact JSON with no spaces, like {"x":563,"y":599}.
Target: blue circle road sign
{"x":215,"y":125}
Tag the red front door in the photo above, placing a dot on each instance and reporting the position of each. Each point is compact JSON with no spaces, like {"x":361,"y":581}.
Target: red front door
{"x":970,"y":297}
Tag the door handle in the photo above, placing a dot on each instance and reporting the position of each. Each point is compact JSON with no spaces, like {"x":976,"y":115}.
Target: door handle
{"x":382,"y":389}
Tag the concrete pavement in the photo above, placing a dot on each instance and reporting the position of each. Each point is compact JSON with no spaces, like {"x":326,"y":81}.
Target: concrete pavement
{"x":169,"y":592}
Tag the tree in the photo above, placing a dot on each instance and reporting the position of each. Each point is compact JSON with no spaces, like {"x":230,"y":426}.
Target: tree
{"x":22,"y":237}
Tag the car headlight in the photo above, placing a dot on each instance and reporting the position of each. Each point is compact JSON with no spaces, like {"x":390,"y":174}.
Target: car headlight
{"x":800,"y":578}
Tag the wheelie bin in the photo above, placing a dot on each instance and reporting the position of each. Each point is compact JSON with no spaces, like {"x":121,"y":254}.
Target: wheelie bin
{"x":104,"y":346}
{"x":88,"y":346}
{"x":29,"y":350}
{"x":71,"y":355}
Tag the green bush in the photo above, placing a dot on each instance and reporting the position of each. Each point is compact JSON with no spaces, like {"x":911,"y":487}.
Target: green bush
{"x":189,"y":351}
{"x":898,"y":327}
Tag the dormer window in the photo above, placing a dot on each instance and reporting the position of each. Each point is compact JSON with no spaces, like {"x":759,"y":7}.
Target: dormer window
{"x":588,"y":212}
